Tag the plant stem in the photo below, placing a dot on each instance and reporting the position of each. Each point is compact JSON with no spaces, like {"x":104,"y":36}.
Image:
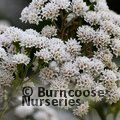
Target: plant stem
{"x":99,"y":108}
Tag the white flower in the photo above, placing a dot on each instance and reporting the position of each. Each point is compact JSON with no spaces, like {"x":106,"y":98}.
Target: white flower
{"x":83,"y":63}
{"x":50,"y":11}
{"x":24,"y":14}
{"x":32,"y":32}
{"x":101,"y":5}
{"x":113,"y":66}
{"x":37,"y":4}
{"x":104,"y":55}
{"x":59,"y":83}
{"x":116,"y":46}
{"x":44,"y":54}
{"x":92,"y":17}
{"x":118,"y":76}
{"x":49,"y":31}
{"x":62,"y":4}
{"x":82,"y":109}
{"x":73,"y":47}
{"x":12,"y":34}
{"x":111,"y":28}
{"x":97,"y":87}
{"x":85,"y":34}
{"x":30,"y":41}
{"x":3,"y":53}
{"x":106,"y":16}
{"x":31,"y":15}
{"x":46,"y":74}
{"x":96,"y":66}
{"x":113,"y":96}
{"x":21,"y":59}
{"x":69,"y":69}
{"x":85,"y":81}
{"x":8,"y":64}
{"x":79,"y":7}
{"x":57,"y":48}
{"x":6,"y":77}
{"x":101,"y":39}
{"x":56,"y":43}
{"x":109,"y":79}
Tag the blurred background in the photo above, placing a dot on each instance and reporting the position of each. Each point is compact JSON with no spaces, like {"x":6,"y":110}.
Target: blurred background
{"x":11,"y":10}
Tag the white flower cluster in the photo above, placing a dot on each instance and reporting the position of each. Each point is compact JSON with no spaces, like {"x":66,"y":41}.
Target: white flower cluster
{"x":5,"y":77}
{"x":86,"y":34}
{"x":42,"y":9}
{"x":79,"y":7}
{"x":104,"y":55}
{"x":92,"y":17}
{"x":21,"y":59}
{"x":49,"y":31}
{"x":3,"y":53}
{"x":99,"y":38}
{"x":116,"y":47}
{"x":82,"y":109}
{"x":73,"y":47}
